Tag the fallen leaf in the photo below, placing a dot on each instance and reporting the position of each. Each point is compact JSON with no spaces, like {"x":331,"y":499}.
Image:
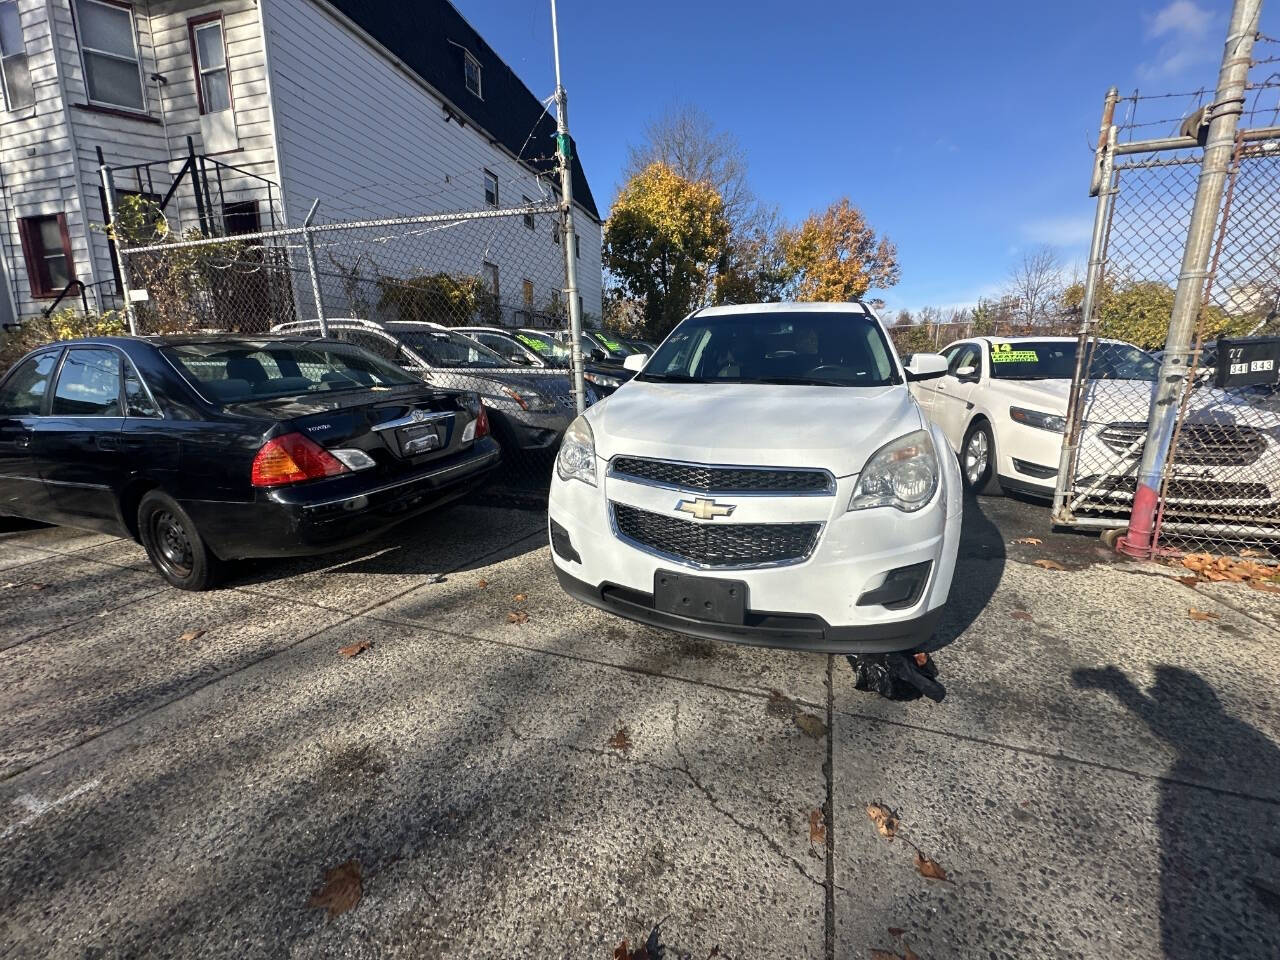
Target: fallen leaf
{"x":715,"y":952}
{"x":1195,"y":614}
{"x":1250,"y":552}
{"x":885,"y":819}
{"x":482,"y":584}
{"x":520,"y":598}
{"x":1264,"y":586}
{"x":651,"y":949}
{"x":355,"y":649}
{"x":930,"y":869}
{"x":909,"y":954}
{"x":191,"y":635}
{"x":1030,"y":541}
{"x":1048,"y":564}
{"x":8,"y":586}
{"x":1188,"y":581}
{"x":1022,"y":615}
{"x":341,"y":889}
{"x":621,"y":740}
{"x":921,"y":659}
{"x":817,"y":829}
{"x":810,"y":725}
{"x":518,"y":616}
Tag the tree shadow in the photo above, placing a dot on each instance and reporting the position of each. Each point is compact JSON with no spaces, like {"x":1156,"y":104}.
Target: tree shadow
{"x":1219,"y":892}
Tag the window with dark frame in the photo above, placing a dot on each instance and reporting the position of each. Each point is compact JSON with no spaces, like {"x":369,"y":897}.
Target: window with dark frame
{"x":46,"y":247}
{"x":209,"y":57}
{"x":109,"y":53}
{"x":471,"y":74}
{"x":240,"y":217}
{"x":528,"y":217}
{"x":15,"y":73}
{"x":490,"y":188}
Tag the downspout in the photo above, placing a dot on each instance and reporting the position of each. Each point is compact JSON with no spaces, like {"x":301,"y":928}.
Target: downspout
{"x":275,"y":124}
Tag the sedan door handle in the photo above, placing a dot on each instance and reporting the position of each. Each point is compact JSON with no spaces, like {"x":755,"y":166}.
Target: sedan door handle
{"x":107,"y":442}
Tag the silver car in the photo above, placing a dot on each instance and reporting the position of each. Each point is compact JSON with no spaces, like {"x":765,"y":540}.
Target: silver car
{"x":530,"y":409}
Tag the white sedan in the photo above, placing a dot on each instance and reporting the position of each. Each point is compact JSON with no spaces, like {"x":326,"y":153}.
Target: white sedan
{"x":767,"y":479}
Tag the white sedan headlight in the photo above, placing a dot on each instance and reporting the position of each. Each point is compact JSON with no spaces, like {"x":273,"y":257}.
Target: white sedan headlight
{"x":902,"y":474}
{"x":577,"y":457}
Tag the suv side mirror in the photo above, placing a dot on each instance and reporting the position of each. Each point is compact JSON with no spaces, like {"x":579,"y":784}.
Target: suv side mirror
{"x":634,"y":362}
{"x":968,"y":373}
{"x":926,"y":366}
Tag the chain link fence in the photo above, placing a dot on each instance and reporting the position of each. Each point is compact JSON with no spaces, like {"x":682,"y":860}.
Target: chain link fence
{"x":418,"y":291}
{"x":1221,"y":483}
{"x":911,"y":338}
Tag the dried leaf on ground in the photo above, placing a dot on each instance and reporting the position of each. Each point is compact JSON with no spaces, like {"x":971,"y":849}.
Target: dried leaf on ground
{"x":810,"y":725}
{"x":896,"y":932}
{"x":520,"y":598}
{"x":621,"y":740}
{"x":1250,"y":552}
{"x":191,"y":635}
{"x":909,"y":954}
{"x":1022,"y":615}
{"x":518,"y":616}
{"x":1048,"y":564}
{"x":875,"y":953}
{"x":1029,"y":541}
{"x":1188,"y":581}
{"x":885,"y":819}
{"x":817,"y":829}
{"x":651,"y":949}
{"x":482,"y":583}
{"x":355,"y":649}
{"x":341,"y":889}
{"x":921,"y":659}
{"x":1195,"y":614}
{"x":929,"y":868}
{"x":1264,"y":586}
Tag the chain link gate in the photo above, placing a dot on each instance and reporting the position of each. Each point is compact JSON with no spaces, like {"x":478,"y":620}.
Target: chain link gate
{"x":400,"y":288}
{"x":1221,"y":484}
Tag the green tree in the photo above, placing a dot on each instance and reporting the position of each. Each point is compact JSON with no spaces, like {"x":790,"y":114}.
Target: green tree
{"x":662,"y":240}
{"x":835,"y":255}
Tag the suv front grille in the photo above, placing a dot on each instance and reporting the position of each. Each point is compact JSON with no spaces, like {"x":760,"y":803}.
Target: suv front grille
{"x":716,"y":544}
{"x":702,"y":478}
{"x":1199,"y":444}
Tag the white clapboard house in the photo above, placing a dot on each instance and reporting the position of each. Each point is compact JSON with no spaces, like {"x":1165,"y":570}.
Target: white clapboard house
{"x":378,"y":108}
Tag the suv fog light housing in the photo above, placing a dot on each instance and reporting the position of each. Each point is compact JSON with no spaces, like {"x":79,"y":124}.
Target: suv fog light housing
{"x":902,"y":474}
{"x":1034,"y":418}
{"x":577,"y":457}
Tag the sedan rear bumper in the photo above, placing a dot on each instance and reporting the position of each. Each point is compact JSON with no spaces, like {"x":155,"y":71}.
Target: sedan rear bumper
{"x":316,"y":519}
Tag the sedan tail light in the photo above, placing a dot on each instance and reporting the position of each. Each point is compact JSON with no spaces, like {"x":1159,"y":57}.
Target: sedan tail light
{"x":482,"y":423}
{"x":292,"y":459}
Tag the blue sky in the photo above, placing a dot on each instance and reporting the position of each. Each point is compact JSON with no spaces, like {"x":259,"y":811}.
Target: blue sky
{"x":963,"y":131}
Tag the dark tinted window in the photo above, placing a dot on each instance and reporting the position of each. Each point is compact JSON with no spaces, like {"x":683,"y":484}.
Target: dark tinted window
{"x":137,"y":401}
{"x":800,"y":347}
{"x":967,"y":356}
{"x":236,"y":372}
{"x":1056,"y":360}
{"x":544,"y":345}
{"x":441,"y":348}
{"x":88,"y":384}
{"x":24,"y":392}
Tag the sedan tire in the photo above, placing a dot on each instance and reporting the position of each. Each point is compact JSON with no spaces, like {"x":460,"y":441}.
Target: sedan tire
{"x":174,"y":545}
{"x":978,"y":460}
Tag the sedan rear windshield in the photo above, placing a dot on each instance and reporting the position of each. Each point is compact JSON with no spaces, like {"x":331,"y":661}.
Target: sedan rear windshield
{"x":794,"y":347}
{"x":441,"y":348}
{"x":1056,"y":360}
{"x":240,"y":372}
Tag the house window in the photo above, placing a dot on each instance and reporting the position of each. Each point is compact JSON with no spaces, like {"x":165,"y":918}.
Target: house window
{"x":528,"y":217}
{"x":471,"y":73}
{"x":15,"y":77}
{"x":555,"y":231}
{"x":490,"y":275}
{"x":209,"y":55}
{"x":47,"y":251}
{"x":109,"y":50}
{"x":526,"y":289}
{"x":490,"y":189}
{"x":241,"y":217}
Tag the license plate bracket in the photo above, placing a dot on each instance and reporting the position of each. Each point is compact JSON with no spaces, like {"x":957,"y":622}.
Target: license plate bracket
{"x":418,"y":438}
{"x":700,"y":598}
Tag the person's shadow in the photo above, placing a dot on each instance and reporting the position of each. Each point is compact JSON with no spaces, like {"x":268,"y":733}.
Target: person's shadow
{"x":1219,"y":882}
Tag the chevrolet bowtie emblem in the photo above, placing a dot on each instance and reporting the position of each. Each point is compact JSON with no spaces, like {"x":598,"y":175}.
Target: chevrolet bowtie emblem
{"x":705,"y":509}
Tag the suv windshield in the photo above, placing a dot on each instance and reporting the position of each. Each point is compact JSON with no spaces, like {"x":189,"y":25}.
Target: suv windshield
{"x":440,"y":348}
{"x":1056,"y":360}
{"x":544,"y":345}
{"x":248,"y":370}
{"x":792,"y":347}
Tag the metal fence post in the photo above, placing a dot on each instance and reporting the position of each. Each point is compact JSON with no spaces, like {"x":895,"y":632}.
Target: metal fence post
{"x":1188,"y":296}
{"x":310,"y":247}
{"x":109,"y":198}
{"x":564,"y":153}
{"x":1103,"y":189}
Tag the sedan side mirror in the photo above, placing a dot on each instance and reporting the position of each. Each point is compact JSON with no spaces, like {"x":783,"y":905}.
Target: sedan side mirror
{"x":926,"y":366}
{"x":597,"y":356}
{"x":634,"y":362}
{"x":967,"y":373}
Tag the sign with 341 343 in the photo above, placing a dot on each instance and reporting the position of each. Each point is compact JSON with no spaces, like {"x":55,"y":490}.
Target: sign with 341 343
{"x":1247,"y":361}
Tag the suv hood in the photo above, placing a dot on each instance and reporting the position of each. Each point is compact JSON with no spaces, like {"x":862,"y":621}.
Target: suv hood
{"x":838,"y":428}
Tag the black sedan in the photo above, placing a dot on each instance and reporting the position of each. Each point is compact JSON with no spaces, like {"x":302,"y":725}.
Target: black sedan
{"x":218,"y":447}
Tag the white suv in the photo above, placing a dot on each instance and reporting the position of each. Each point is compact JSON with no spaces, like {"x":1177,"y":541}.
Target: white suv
{"x":767,"y":478}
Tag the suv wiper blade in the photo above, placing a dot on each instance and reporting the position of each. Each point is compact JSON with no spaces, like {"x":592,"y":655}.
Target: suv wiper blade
{"x":800,"y":381}
{"x":672,"y":378}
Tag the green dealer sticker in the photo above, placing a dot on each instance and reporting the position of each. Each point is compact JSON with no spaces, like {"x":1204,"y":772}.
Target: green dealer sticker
{"x":533,"y":343}
{"x":1013,"y":356}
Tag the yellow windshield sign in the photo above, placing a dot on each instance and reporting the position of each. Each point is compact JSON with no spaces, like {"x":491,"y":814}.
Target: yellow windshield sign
{"x":1004,"y":353}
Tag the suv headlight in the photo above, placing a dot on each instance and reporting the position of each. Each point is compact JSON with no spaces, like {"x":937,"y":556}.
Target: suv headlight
{"x":902,"y":474}
{"x":1034,"y":418}
{"x":602,"y":380}
{"x":526,"y":400}
{"x":577,"y":457}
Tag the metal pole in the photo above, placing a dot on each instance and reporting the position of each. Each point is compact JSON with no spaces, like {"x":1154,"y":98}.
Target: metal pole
{"x":1224,"y":115}
{"x":195,"y":185}
{"x":1101,"y":187}
{"x":109,"y":200}
{"x":309,"y":244}
{"x":564,"y":156}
